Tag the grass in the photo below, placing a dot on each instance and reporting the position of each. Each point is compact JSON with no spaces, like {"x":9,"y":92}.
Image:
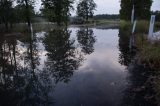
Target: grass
{"x":148,"y":52}
{"x":102,"y":22}
{"x":150,"y":55}
{"x":22,"y":27}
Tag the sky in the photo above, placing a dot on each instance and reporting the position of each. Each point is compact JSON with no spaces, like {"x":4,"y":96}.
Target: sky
{"x":107,"y":6}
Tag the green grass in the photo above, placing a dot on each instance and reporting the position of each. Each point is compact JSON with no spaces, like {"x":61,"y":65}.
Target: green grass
{"x":141,"y":27}
{"x":150,"y":54}
{"x":102,"y":22}
{"x":22,"y":27}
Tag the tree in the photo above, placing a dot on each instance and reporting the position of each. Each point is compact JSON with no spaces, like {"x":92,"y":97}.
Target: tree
{"x":126,"y":8}
{"x":29,"y":5}
{"x":20,"y":12}
{"x":6,"y":12}
{"x":142,"y":9}
{"x":85,"y":9}
{"x":57,"y":10}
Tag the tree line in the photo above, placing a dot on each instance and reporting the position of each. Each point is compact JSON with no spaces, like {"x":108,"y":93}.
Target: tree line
{"x":106,"y":16}
{"x":58,"y":11}
{"x":21,"y":12}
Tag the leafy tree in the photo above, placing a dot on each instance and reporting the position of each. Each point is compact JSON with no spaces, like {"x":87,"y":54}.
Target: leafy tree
{"x":20,"y":12}
{"x":57,"y":10}
{"x":28,"y":4}
{"x":142,"y":9}
{"x":6,"y":12}
{"x":126,"y":8}
{"x":85,"y":9}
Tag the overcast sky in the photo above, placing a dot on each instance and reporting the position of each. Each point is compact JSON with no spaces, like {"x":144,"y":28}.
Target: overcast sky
{"x":108,"y":6}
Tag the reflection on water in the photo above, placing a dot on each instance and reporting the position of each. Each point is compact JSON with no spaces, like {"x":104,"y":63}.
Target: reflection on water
{"x":67,"y":67}
{"x":86,"y":39}
{"x":63,"y":58}
{"x":139,"y":91}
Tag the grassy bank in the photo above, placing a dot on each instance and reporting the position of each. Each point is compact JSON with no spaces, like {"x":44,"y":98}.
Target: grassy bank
{"x":148,"y":53}
{"x":22,"y":27}
{"x":102,"y":24}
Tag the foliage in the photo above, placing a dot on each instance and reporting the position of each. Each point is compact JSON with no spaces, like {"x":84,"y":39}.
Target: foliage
{"x":85,"y":9}
{"x":57,"y":10}
{"x":21,"y":12}
{"x":142,"y":9}
{"x":6,"y":11}
{"x":106,"y":16}
{"x":28,"y":4}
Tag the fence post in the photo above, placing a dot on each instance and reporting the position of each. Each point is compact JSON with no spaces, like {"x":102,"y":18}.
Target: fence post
{"x":151,"y":27}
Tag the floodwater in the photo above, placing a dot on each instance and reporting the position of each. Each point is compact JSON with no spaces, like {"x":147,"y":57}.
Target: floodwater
{"x":70,"y":67}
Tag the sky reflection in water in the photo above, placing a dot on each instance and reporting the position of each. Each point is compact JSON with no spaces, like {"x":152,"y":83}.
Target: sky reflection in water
{"x":100,"y":80}
{"x":63,"y":67}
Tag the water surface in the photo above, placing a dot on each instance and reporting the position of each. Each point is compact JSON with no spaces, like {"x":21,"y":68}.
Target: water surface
{"x":66,"y":67}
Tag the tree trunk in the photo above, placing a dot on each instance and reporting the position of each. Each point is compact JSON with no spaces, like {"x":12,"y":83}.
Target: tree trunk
{"x":27,"y":13}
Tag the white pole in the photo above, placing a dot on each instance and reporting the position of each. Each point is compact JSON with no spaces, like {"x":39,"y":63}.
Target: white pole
{"x":134,"y":26}
{"x":132,"y":16}
{"x":151,"y":27}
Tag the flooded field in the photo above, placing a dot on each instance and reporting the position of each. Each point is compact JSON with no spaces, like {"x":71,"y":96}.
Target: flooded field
{"x":71,"y":67}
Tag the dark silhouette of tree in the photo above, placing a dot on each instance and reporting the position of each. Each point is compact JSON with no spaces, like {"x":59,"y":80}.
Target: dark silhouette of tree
{"x":6,"y":12}
{"x":85,"y":9}
{"x":142,"y":9}
{"x":28,"y":4}
{"x":106,"y":16}
{"x":57,"y":10}
{"x":20,"y":12}
{"x":86,"y":39}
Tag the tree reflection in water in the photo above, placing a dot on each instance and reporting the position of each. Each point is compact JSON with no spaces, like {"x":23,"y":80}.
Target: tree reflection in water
{"x":19,"y":82}
{"x":24,"y":81}
{"x":86,"y":39}
{"x":126,"y":55}
{"x":63,"y":57}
